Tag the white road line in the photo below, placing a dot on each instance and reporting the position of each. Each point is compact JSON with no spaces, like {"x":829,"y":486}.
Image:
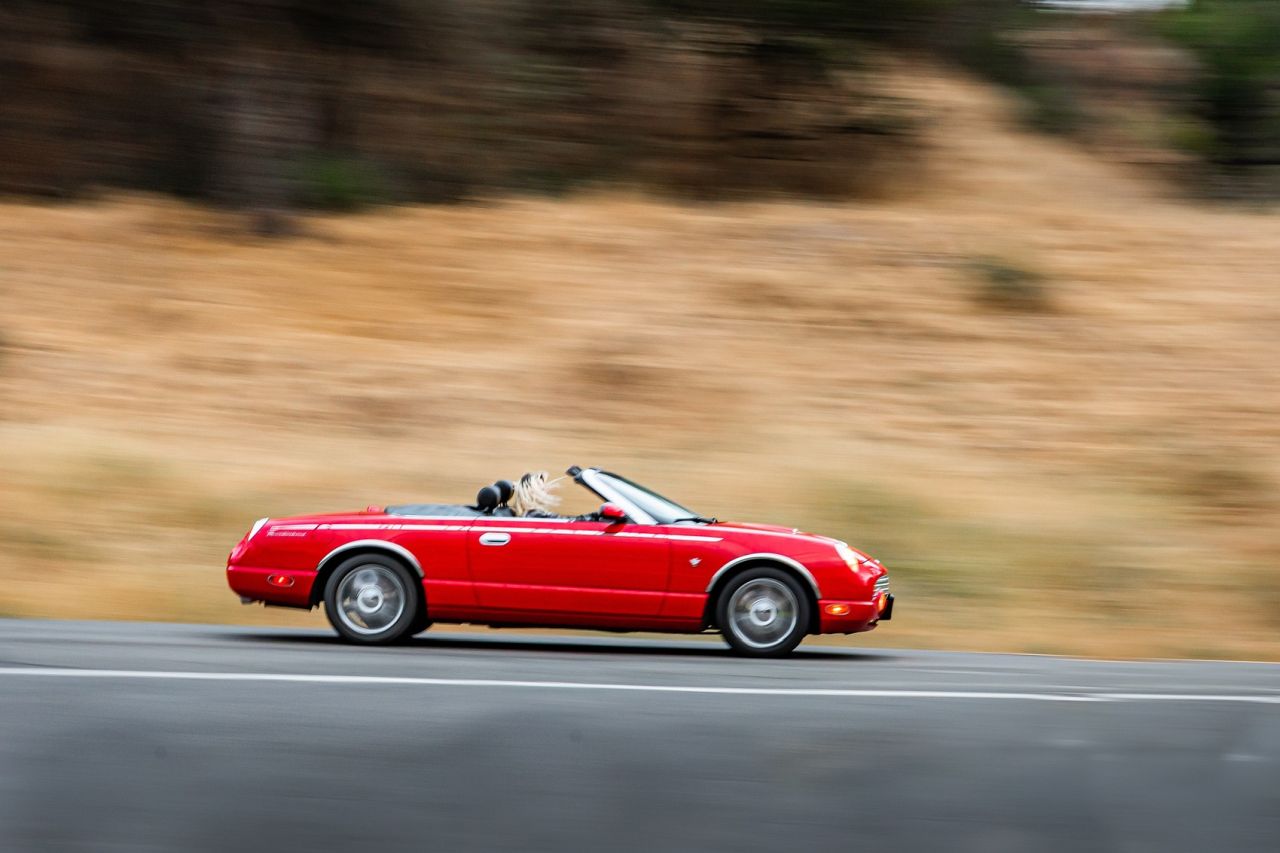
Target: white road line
{"x":39,"y":672}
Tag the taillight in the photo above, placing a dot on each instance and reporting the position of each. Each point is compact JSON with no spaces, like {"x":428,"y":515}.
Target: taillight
{"x":243,"y":544}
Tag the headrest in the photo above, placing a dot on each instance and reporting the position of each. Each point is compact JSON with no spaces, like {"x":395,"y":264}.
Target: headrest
{"x":487,"y":499}
{"x":505,"y":490}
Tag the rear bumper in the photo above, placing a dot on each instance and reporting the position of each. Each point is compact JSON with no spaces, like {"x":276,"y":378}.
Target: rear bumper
{"x":272,"y":586}
{"x":852,"y":617}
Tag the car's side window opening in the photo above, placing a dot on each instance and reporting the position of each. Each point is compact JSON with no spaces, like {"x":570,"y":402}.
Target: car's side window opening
{"x":537,"y":495}
{"x":579,"y":501}
{"x":662,"y":510}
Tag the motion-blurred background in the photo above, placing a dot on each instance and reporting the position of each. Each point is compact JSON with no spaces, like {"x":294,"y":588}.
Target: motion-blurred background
{"x":988,"y":288}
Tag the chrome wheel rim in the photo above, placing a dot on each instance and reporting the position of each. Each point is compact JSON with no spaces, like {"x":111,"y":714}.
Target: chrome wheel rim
{"x":371,"y":599}
{"x":763,"y":612}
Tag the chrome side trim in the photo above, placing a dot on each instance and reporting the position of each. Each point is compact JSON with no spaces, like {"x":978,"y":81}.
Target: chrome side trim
{"x":455,"y":518}
{"x":777,"y":558}
{"x":506,"y":529}
{"x":397,"y":526}
{"x":381,"y":544}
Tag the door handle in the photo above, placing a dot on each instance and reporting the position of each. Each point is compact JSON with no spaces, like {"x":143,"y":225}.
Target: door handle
{"x":495,"y":538}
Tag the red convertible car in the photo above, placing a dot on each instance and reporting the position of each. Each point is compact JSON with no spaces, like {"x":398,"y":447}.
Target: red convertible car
{"x":641,"y":563}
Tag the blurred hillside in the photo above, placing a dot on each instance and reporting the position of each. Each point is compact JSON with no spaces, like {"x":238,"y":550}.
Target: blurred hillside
{"x":1040,"y":390}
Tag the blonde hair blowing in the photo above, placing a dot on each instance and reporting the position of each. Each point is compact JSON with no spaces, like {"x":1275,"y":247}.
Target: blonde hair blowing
{"x":534,"y":491}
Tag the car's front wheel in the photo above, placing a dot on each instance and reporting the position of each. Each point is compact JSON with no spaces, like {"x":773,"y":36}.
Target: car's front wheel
{"x":763,"y":613}
{"x":371,"y":599}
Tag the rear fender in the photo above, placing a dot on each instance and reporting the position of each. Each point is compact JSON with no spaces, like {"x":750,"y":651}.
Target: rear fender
{"x":365,"y":546}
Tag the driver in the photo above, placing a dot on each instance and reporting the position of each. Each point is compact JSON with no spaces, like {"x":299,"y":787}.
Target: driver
{"x":534,"y":496}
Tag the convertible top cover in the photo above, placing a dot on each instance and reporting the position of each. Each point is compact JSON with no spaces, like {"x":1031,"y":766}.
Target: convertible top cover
{"x":435,"y":509}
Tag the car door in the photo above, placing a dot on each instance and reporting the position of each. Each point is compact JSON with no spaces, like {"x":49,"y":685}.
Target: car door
{"x":541,"y":568}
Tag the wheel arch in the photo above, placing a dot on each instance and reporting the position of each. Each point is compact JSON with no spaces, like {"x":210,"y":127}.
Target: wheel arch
{"x":339,"y":555}
{"x":732,"y":569}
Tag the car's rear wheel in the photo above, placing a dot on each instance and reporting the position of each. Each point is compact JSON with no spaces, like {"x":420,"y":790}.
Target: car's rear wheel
{"x":371,"y":599}
{"x":763,"y":613}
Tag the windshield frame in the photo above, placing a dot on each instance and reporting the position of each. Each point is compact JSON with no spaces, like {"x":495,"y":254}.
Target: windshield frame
{"x":642,"y":504}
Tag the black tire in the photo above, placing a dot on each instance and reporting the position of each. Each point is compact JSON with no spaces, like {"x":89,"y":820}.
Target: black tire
{"x":372,"y":599}
{"x":420,"y":623}
{"x":763,"y":613}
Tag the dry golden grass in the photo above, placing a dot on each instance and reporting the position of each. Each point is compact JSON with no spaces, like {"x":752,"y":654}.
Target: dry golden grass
{"x":1098,"y":475}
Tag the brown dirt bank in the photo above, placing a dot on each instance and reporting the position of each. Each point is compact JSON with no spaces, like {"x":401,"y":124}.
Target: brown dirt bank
{"x":1096,"y":475}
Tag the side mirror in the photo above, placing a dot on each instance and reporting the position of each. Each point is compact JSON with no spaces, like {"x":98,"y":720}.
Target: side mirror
{"x":612,"y":512}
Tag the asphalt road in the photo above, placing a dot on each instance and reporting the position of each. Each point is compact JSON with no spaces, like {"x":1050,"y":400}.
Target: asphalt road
{"x":129,"y":737}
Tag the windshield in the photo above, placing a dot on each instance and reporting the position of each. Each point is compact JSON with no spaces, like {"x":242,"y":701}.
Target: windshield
{"x":663,"y":510}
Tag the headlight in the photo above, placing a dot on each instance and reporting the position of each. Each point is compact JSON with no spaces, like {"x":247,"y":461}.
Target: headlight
{"x":850,"y":557}
{"x":853,"y":559}
{"x":257,"y":525}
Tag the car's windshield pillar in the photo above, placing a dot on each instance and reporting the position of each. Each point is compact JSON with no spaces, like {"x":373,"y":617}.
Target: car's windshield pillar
{"x":604,"y":488}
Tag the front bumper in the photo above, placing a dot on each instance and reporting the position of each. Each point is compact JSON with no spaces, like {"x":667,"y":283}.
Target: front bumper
{"x":852,"y":617}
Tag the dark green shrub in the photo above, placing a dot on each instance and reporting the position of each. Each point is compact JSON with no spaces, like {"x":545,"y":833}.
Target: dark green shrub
{"x":340,"y":182}
{"x":1227,"y":487}
{"x":1007,"y":286}
{"x":1237,"y":43}
{"x":1050,"y":109}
